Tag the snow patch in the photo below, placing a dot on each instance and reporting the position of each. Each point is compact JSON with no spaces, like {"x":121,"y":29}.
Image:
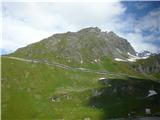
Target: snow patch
{"x":151,"y":93}
{"x":95,"y":60}
{"x":118,"y":59}
{"x":133,"y":58}
{"x":102,"y":78}
{"x":132,"y":55}
{"x":145,"y":57}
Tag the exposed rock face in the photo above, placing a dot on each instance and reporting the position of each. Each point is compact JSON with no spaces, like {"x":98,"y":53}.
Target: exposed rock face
{"x":149,"y":65}
{"x":87,"y":44}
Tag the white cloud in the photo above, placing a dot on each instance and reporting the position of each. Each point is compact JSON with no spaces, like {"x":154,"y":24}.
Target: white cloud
{"x":16,"y":34}
{"x":51,"y":15}
{"x":150,"y":22}
{"x":62,"y":1}
{"x":136,"y":37}
{"x":25,"y":23}
{"x":138,"y":41}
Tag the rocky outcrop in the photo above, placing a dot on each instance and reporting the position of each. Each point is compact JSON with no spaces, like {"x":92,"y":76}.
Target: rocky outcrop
{"x":149,"y":65}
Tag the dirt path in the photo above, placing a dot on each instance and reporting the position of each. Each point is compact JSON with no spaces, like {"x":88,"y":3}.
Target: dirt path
{"x":67,"y":67}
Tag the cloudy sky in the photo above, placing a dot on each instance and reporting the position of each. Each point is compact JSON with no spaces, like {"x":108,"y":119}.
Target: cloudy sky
{"x":25,"y":23}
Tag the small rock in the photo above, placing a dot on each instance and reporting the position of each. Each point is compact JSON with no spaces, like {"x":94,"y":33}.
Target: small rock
{"x":87,"y":118}
{"x":148,"y":111}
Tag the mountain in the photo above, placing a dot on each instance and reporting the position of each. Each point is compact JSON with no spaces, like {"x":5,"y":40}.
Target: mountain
{"x":87,"y":45}
{"x":75,"y":76}
{"x":151,"y":65}
{"x":144,"y":53}
{"x":88,"y":48}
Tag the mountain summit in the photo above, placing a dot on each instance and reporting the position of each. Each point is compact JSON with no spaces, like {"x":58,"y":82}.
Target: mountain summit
{"x":88,"y":44}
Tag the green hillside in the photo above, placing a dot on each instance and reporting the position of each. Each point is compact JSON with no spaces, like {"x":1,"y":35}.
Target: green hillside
{"x":26,"y":88}
{"x":34,"y":90}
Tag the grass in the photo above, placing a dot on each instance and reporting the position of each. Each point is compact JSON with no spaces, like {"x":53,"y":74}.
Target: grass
{"x":105,"y":63}
{"x":27,"y":88}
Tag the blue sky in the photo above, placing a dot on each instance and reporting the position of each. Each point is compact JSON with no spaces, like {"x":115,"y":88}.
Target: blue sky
{"x":146,"y":18}
{"x":25,"y":23}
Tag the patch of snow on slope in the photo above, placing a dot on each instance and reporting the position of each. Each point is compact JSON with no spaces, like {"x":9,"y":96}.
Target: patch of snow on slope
{"x":133,"y":58}
{"x":132,"y":55}
{"x":102,"y":78}
{"x":118,"y":59}
{"x":152,"y":92}
{"x":95,"y":60}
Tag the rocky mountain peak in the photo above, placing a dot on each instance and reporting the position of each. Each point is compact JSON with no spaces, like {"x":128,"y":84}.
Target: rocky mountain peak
{"x":90,"y":29}
{"x":144,"y":53}
{"x":88,"y":44}
{"x":111,"y":33}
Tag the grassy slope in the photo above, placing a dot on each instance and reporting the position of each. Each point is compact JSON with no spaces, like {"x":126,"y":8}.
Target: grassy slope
{"x":26,"y":88}
{"x":105,"y":63}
